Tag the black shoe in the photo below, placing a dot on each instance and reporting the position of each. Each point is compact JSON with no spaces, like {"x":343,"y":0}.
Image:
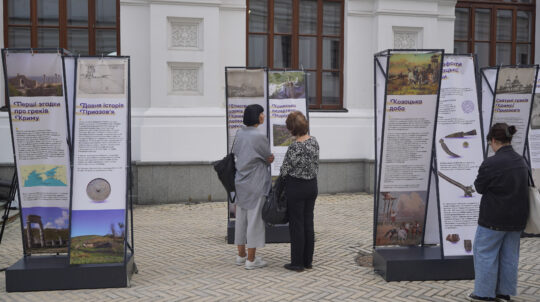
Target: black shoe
{"x":503,"y":298}
{"x":309,"y":266}
{"x":475,"y":298}
{"x":293,"y":267}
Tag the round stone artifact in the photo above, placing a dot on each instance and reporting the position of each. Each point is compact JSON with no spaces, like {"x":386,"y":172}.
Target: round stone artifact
{"x":98,"y":189}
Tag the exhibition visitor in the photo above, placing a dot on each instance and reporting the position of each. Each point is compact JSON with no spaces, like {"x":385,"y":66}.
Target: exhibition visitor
{"x":252,"y":154}
{"x":300,"y":168}
{"x":503,"y":182}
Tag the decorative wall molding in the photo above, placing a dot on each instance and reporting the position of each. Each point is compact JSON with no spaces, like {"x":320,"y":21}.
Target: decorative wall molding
{"x":407,"y":37}
{"x":185,"y":33}
{"x":185,"y":78}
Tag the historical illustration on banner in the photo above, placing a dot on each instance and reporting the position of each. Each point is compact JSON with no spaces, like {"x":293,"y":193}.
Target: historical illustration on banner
{"x":414,"y":74}
{"x":101,"y":78}
{"x":515,"y":80}
{"x":40,"y":136}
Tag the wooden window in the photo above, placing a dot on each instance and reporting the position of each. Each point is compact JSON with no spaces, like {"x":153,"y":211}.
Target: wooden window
{"x":86,"y":27}
{"x":300,"y":34}
{"x":500,"y":32}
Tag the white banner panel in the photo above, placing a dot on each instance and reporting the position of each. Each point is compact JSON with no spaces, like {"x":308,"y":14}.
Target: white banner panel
{"x":40,"y":142}
{"x":100,"y":160}
{"x":287,"y":93}
{"x":534,"y":136}
{"x":489,"y":79}
{"x":69,"y":68}
{"x":459,"y":154}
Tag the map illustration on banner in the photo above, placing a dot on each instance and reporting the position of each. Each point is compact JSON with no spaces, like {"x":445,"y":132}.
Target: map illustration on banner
{"x":100,"y":132}
{"x":459,"y":150}
{"x":287,"y":93}
{"x":38,"y":120}
{"x":412,"y":87}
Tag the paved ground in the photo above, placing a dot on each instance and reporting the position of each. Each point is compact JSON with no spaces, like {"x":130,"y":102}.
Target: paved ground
{"x":182,"y":256}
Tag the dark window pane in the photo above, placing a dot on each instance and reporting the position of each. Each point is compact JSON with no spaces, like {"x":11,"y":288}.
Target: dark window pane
{"x":18,"y":12}
{"x":283,"y":16}
{"x":282,"y":51}
{"x":482,"y":52}
{"x":331,"y":18}
{"x":504,"y":25}
{"x":105,"y":13}
{"x":523,"y":26}
{"x":48,"y":37}
{"x":460,"y":47}
{"x":308,"y":17}
{"x":19,"y":37}
{"x":258,"y":16}
{"x":47,"y":12}
{"x":503,"y":53}
{"x":257,"y":51}
{"x":482,"y":24}
{"x":523,"y":54}
{"x":106,"y":42}
{"x":312,"y":87}
{"x":330,"y":88}
{"x":77,"y":41}
{"x":77,"y":12}
{"x":331,"y":53}
{"x":461,"y":24}
{"x":307,"y":52}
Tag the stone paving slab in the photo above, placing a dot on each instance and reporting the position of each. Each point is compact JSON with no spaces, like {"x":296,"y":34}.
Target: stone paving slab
{"x":182,"y":255}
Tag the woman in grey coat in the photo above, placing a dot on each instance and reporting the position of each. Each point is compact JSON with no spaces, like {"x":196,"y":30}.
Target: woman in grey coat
{"x":252,"y":151}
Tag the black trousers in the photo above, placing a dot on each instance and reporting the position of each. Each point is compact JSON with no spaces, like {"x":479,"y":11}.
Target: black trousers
{"x":301,"y":195}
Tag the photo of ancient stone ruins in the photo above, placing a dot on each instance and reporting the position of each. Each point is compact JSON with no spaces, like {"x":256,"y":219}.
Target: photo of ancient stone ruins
{"x":33,"y":76}
{"x":245,"y":83}
{"x":515,"y":80}
{"x":45,"y":229}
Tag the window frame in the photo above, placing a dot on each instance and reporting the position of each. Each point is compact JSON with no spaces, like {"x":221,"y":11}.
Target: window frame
{"x":62,"y":26}
{"x":495,"y":6}
{"x":295,"y":35}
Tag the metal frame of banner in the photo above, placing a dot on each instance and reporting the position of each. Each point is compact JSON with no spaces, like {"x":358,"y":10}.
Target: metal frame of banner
{"x":5,"y":53}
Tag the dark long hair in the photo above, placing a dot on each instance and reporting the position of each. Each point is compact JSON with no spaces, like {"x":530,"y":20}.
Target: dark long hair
{"x":501,"y":132}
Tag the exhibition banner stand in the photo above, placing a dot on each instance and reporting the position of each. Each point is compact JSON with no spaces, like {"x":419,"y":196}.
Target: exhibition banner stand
{"x":533,"y":143}
{"x":406,"y":108}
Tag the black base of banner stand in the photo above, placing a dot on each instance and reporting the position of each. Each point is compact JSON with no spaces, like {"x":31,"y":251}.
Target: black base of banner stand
{"x":275,"y":234}
{"x":420,"y":264}
{"x":54,"y":273}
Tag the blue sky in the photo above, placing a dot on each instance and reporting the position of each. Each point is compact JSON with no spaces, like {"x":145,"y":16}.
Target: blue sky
{"x":51,"y":217}
{"x":95,"y":222}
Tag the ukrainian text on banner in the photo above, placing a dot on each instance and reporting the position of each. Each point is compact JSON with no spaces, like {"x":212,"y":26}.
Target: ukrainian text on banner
{"x":412,"y":87}
{"x":244,"y":87}
{"x":100,"y":161}
{"x":40,"y":142}
{"x":287,"y":93}
{"x":534,"y":136}
{"x":459,"y":153}
{"x":512,"y":104}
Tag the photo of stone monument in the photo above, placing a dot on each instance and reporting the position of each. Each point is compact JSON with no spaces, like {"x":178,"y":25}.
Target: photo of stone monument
{"x":45,"y":229}
{"x":32,"y":76}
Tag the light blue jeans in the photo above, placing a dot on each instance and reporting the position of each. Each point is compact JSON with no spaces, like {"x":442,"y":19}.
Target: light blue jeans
{"x":496,"y":258}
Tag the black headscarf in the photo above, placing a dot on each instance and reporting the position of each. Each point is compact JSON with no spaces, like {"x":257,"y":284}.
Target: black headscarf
{"x":251,"y":114}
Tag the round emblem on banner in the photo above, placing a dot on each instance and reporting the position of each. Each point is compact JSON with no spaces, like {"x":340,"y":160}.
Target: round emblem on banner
{"x":98,"y":189}
{"x":467,"y":106}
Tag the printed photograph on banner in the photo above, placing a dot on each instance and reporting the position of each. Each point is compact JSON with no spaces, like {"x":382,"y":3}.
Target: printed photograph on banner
{"x":281,"y":135}
{"x":400,"y":218}
{"x":286,"y":85}
{"x":515,"y":80}
{"x":535,"y":114}
{"x":101,"y":78}
{"x":34,"y":75}
{"x":45,"y":229}
{"x":414,"y":73}
{"x":43,"y":175}
{"x":245,"y":83}
{"x":97,"y":236}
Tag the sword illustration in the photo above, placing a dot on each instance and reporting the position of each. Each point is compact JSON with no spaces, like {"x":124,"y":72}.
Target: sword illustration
{"x":467,"y":190}
{"x":461,"y":134}
{"x":445,"y":148}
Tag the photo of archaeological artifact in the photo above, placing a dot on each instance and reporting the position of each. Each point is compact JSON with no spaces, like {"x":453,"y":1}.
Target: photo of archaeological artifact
{"x":454,"y":238}
{"x":447,"y":150}
{"x":414,"y":74}
{"x":98,"y":189}
{"x":244,"y":83}
{"x":467,"y":190}
{"x":286,"y":85}
{"x":281,"y":136}
{"x":467,"y":244}
{"x":97,"y":236}
{"x":515,"y":80}
{"x":400,"y":218}
{"x":100,"y":77}
{"x":31,"y":76}
{"x":45,"y":229}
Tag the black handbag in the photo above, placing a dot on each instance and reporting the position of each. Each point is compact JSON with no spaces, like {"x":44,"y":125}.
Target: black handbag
{"x":226,"y":172}
{"x":274,"y":210}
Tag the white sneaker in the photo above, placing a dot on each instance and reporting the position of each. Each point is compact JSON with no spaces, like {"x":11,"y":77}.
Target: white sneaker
{"x":257,"y":263}
{"x":240,"y":260}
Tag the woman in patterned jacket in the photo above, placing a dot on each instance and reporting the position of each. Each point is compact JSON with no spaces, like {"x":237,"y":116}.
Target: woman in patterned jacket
{"x":300,"y":168}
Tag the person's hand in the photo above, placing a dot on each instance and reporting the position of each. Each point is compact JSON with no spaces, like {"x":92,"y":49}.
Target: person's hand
{"x":270,"y":159}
